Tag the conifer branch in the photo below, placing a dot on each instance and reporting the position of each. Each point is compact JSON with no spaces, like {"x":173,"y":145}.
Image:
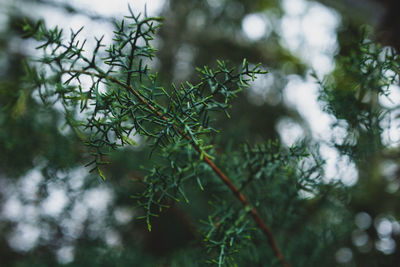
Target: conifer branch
{"x":180,"y":122}
{"x":224,"y":178}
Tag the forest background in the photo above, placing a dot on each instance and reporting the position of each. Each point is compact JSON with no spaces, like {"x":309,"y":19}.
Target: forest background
{"x":53,"y":211}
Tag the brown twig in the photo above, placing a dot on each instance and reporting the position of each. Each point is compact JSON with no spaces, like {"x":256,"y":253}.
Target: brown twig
{"x":253,"y":211}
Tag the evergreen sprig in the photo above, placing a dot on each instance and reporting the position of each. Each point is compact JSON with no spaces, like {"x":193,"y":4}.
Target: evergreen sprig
{"x":110,"y":96}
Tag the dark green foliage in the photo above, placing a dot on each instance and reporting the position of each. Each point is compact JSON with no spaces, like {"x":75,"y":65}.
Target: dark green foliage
{"x":361,"y":77}
{"x":127,"y":115}
{"x":124,"y":99}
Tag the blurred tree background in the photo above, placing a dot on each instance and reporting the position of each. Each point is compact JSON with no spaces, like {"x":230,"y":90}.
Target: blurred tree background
{"x":54,"y":212}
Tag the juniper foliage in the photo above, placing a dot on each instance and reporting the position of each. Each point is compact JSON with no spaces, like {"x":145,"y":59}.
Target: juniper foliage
{"x":268,"y":202}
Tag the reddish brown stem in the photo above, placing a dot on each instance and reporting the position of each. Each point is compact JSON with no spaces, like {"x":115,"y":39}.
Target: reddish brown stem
{"x":253,"y":211}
